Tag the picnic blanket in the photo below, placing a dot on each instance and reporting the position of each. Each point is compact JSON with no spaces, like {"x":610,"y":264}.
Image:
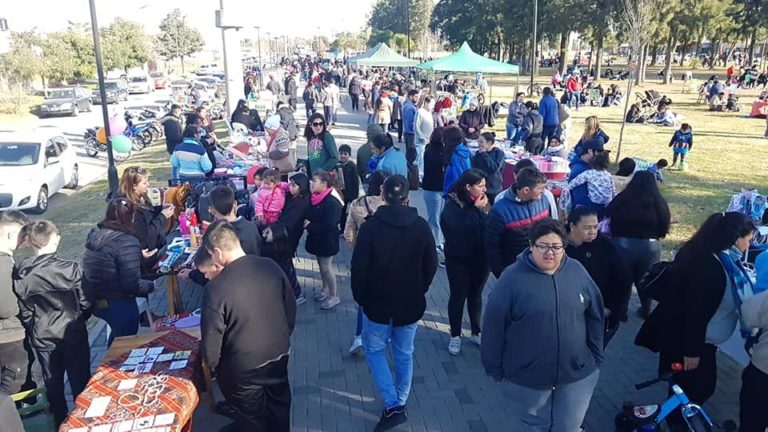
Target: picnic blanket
{"x":167,"y":394}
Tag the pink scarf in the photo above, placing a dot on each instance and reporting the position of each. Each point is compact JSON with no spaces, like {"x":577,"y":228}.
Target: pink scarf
{"x":317,"y":198}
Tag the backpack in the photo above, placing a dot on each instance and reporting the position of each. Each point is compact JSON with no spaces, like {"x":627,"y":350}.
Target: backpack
{"x":657,"y":281}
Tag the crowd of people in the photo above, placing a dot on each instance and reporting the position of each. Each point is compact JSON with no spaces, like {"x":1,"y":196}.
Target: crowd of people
{"x":563,"y":277}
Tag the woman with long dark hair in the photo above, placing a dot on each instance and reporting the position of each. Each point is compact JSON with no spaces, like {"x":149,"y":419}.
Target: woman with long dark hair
{"x":432,"y":183}
{"x":456,"y":157}
{"x":639,"y":219}
{"x":463,"y":224}
{"x":112,"y":269}
{"x":322,"y":153}
{"x":699,"y":304}
{"x":292,"y":219}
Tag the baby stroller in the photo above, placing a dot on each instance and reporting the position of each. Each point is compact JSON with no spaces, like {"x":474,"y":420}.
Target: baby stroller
{"x":752,"y":204}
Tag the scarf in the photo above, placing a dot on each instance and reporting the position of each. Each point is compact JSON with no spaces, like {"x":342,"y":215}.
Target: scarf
{"x":317,"y":198}
{"x":742,"y":286}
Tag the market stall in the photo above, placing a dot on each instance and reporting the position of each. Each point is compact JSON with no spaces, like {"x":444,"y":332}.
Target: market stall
{"x":382,"y":56}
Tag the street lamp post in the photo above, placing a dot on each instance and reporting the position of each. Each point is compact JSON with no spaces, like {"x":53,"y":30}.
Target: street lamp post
{"x":408,"y":25}
{"x":533,"y":43}
{"x":111,"y":169}
{"x":261,"y":72}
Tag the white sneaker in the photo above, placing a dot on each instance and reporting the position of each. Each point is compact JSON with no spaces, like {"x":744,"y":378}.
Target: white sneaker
{"x":454,"y":346}
{"x":475,"y":339}
{"x":357,"y":346}
{"x":322,"y":295}
{"x":330,"y":302}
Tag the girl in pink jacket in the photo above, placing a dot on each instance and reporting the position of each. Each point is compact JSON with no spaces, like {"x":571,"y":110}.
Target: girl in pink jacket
{"x":269,"y":200}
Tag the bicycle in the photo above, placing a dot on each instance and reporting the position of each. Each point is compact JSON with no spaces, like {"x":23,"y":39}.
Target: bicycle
{"x":534,"y":90}
{"x":648,"y":418}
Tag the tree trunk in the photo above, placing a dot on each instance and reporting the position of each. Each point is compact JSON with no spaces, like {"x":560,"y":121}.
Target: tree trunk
{"x":683,"y":49}
{"x":591,"y":56}
{"x":751,"y":49}
{"x":599,"y":54}
{"x":655,"y":54}
{"x":563,"y":45}
{"x":762,"y":54}
{"x":639,"y":59}
{"x":182,"y":65}
{"x":671,"y":47}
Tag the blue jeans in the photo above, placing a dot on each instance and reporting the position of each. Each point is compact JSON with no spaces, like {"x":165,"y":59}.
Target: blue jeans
{"x":512,"y":132}
{"x":376,"y":339}
{"x":122,"y":316}
{"x":359,"y":329}
{"x":434,"y":202}
{"x":577,"y":96}
{"x":559,"y":410}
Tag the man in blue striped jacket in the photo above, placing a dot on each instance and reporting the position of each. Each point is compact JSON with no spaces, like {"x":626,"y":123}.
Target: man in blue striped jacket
{"x":189,"y":159}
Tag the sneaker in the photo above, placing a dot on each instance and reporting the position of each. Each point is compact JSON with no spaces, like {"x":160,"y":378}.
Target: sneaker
{"x":391,"y":418}
{"x":454,"y":346}
{"x":357,"y":346}
{"x":330,"y":303}
{"x":301,"y":299}
{"x":321,"y":295}
{"x":475,"y":339}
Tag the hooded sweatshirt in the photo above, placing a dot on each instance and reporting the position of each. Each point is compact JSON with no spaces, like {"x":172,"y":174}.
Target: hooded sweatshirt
{"x":395,"y":237}
{"x":528,"y":306}
{"x":365,"y":152}
{"x":461,"y":160}
{"x":11,"y":329}
{"x":51,"y":300}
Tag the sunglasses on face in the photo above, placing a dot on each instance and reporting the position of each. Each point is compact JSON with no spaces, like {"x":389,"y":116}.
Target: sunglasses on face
{"x":317,"y":124}
{"x":137,"y":170}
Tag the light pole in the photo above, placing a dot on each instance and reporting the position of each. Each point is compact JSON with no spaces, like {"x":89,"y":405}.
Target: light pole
{"x":111,"y":169}
{"x":261,"y":72}
{"x":533,"y":44}
{"x":408,"y":25}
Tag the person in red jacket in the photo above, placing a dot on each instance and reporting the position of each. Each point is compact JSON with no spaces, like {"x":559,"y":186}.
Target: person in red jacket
{"x":573,"y":85}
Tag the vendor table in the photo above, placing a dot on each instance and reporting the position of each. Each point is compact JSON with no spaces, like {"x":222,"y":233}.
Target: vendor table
{"x":162,"y":392}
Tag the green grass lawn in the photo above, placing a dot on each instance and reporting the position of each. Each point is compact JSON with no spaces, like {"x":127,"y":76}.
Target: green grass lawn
{"x":729,"y":150}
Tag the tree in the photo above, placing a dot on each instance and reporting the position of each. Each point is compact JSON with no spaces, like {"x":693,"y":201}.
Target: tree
{"x":349,"y":41}
{"x":380,"y":36}
{"x":176,"y":39}
{"x":636,"y":16}
{"x":124,"y":44}
{"x":391,"y":15}
{"x":23,"y":61}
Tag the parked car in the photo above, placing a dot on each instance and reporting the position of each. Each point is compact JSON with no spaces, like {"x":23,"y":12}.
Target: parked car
{"x":161,"y":79}
{"x":141,"y":84}
{"x":67,"y":101}
{"x":34,"y":166}
{"x":116,"y":91}
{"x":207,"y":69}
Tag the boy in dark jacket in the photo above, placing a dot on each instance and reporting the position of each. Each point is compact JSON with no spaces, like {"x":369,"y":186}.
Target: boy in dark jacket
{"x":351,"y":181}
{"x":52,"y":308}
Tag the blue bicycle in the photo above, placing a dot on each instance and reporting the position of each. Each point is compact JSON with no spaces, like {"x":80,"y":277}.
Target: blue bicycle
{"x":648,"y":418}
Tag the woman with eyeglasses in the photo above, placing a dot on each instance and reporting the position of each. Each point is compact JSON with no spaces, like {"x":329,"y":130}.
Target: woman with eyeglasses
{"x":604,"y":264}
{"x":463,"y":225}
{"x":112,"y":269}
{"x":322,"y":152}
{"x":190,"y":160}
{"x":543,"y":334}
{"x":149,"y":220}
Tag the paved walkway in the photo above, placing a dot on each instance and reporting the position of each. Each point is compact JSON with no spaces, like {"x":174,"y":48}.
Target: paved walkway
{"x":334,"y":392}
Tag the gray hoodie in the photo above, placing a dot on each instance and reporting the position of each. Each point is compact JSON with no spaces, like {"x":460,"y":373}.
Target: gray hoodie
{"x":754,"y":313}
{"x":541,"y":331}
{"x":11,"y":329}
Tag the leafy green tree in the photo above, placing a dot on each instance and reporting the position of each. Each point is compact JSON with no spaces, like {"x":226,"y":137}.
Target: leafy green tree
{"x":23,"y":61}
{"x":176,"y":39}
{"x":349,"y":41}
{"x":380,"y":36}
{"x":394,"y":15}
{"x":125,"y":44}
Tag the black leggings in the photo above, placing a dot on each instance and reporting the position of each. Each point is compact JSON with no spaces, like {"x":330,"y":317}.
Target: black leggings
{"x":466,"y":279}
{"x":355,"y":101}
{"x":699,"y":384}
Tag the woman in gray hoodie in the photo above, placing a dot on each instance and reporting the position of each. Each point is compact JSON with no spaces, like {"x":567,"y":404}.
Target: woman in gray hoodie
{"x":545,"y":296}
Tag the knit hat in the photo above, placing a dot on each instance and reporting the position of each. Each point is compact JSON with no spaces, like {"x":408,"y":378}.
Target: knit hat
{"x":473,"y":101}
{"x":273,"y":122}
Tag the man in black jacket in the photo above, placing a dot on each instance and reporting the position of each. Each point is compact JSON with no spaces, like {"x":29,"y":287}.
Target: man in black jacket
{"x":291,"y":90}
{"x":52,"y":306}
{"x":393,"y":264}
{"x":249,"y":313}
{"x":173,"y":129}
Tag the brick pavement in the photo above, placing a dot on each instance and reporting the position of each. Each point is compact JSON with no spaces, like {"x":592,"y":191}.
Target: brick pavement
{"x":334,"y":392}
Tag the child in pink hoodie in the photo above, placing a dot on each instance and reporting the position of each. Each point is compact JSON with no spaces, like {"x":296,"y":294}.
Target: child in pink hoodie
{"x":269,"y":200}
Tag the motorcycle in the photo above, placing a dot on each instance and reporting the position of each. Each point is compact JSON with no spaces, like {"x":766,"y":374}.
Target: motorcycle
{"x":93,"y":147}
{"x":141,"y":134}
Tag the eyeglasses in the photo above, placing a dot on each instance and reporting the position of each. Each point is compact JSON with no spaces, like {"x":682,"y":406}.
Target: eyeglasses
{"x":137,"y":170}
{"x":556,"y":249}
{"x":317,"y":124}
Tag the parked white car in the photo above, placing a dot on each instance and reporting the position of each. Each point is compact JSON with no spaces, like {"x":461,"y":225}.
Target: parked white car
{"x":34,"y":166}
{"x":141,"y":84}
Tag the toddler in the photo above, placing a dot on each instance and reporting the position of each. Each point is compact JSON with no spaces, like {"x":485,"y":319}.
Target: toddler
{"x":681,"y":143}
{"x":269,"y":200}
{"x":351,"y":181}
{"x":600,"y":186}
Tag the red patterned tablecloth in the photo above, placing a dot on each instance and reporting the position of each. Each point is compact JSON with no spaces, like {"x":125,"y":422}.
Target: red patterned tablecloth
{"x":179,"y":396}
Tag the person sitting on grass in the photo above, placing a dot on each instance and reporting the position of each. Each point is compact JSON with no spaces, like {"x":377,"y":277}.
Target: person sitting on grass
{"x":718,"y":103}
{"x":665,"y":116}
{"x":681,"y":143}
{"x":53,"y":309}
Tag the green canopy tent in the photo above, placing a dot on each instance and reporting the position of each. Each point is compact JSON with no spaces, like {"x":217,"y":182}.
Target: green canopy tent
{"x":466,"y":60}
{"x":382,"y":55}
